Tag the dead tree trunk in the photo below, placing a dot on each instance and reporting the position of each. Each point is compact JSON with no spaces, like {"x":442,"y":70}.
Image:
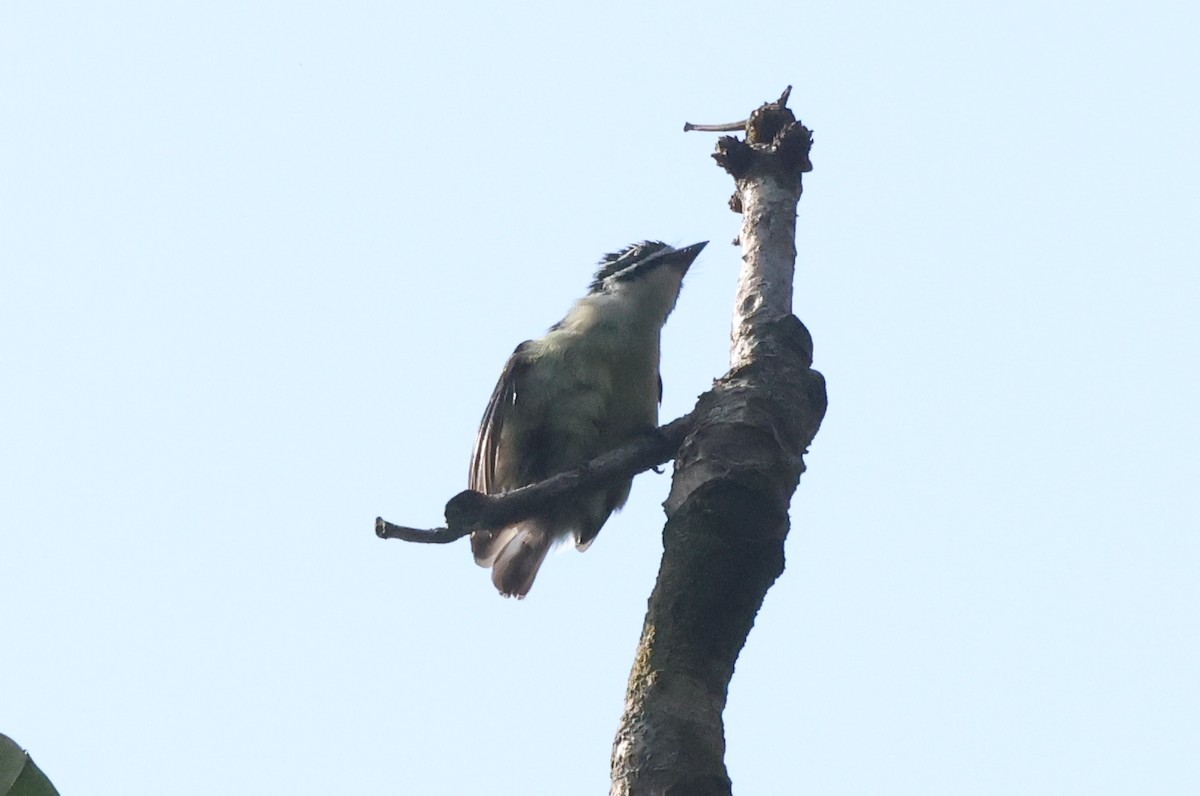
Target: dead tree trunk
{"x":727,"y":512}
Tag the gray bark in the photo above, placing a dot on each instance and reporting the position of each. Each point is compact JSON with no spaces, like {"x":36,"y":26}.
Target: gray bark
{"x":727,"y":512}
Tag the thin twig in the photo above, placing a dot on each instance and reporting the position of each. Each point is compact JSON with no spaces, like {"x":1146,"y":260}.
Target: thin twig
{"x":470,"y":511}
{"x":731,"y":127}
{"x":386,"y":530}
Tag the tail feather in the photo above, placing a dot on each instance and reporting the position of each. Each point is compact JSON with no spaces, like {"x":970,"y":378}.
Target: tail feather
{"x":486,"y":545}
{"x":515,"y":554}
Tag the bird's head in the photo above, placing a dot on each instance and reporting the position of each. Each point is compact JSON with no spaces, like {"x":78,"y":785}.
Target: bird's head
{"x":644,"y":263}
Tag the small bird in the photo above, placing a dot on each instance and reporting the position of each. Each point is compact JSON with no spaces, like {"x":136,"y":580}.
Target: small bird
{"x":589,"y":385}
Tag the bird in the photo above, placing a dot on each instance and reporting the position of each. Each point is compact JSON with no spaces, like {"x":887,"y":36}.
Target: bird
{"x":588,"y":385}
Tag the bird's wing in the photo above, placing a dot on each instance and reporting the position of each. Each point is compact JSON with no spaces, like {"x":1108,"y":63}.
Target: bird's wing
{"x":487,"y":440}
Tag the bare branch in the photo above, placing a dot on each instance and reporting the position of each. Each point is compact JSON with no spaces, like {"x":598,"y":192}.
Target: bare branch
{"x":731,"y":127}
{"x":735,"y":127}
{"x":727,"y":512}
{"x":470,"y":511}
{"x":386,"y":530}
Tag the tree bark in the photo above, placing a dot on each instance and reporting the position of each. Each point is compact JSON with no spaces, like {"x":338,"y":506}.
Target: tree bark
{"x":727,"y":512}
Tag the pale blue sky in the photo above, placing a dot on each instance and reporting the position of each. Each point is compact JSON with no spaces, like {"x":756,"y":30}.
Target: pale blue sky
{"x":262,"y":264}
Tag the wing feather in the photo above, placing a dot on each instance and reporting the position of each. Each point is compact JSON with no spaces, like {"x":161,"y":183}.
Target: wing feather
{"x":482,"y":477}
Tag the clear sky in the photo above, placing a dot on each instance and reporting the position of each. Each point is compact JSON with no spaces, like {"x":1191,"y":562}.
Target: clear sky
{"x":261,"y":264}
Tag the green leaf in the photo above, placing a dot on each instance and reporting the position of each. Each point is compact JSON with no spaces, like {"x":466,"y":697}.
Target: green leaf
{"x":18,"y":774}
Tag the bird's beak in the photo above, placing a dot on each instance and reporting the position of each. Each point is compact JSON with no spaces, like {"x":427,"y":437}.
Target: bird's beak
{"x":687,"y":255}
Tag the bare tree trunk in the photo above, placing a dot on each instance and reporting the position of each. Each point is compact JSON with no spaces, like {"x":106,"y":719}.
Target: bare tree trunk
{"x":727,"y":513}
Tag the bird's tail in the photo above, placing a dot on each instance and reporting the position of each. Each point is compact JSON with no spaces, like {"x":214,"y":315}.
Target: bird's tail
{"x":515,"y":554}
